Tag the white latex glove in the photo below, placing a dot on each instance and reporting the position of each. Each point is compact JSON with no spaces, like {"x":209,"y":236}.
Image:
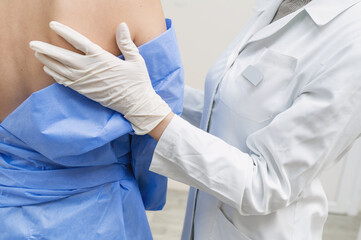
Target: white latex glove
{"x":123,"y":86}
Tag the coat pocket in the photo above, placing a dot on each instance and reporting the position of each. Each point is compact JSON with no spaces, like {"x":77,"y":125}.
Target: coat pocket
{"x":260,"y":90}
{"x":224,"y":229}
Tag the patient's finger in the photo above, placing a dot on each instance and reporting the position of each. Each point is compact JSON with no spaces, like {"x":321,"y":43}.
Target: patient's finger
{"x":60,"y":54}
{"x":54,"y":65}
{"x":79,"y":41}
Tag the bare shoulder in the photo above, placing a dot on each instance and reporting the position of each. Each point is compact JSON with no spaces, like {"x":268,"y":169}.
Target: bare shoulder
{"x":147,"y":20}
{"x":99,"y":19}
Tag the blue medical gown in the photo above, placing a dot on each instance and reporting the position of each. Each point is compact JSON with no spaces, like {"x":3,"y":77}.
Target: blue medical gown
{"x":72,"y":169}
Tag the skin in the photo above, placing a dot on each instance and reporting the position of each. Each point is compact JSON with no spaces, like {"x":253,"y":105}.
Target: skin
{"x":23,"y":21}
{"x":158,"y":131}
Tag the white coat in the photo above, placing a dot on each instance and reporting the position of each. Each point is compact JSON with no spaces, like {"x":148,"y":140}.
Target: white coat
{"x":281,"y":104}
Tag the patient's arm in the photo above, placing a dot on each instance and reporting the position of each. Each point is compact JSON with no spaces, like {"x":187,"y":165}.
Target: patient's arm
{"x":22,"y":21}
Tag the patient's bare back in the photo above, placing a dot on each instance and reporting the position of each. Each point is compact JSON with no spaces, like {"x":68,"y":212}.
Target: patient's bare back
{"x":23,"y":21}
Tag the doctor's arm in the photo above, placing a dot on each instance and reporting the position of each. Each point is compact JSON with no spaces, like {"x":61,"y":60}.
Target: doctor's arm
{"x":286,"y":156}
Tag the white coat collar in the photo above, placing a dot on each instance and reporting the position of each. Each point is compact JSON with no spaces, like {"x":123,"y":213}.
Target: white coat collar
{"x":324,"y":11}
{"x":320,"y":14}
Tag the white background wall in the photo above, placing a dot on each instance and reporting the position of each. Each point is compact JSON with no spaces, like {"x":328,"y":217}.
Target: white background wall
{"x":204,"y":29}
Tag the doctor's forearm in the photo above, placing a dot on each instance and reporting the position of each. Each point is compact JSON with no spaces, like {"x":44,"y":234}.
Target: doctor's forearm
{"x":194,"y":157}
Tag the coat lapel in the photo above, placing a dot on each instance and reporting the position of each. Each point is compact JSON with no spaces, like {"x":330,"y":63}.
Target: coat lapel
{"x":265,"y":10}
{"x":274,"y":27}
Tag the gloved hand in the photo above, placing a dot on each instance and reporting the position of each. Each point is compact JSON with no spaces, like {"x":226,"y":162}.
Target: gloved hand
{"x":123,"y":86}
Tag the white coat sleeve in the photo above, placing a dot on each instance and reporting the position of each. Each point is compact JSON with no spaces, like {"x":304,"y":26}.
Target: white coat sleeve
{"x":286,"y":155}
{"x":193,"y":105}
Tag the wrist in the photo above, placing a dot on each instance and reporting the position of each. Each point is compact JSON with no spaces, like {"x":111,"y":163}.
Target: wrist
{"x":157,"y":132}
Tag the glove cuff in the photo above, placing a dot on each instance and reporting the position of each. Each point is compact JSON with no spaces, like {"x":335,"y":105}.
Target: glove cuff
{"x":148,"y":116}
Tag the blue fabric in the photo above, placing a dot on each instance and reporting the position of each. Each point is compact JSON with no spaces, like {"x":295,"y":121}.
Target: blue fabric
{"x":72,"y":169}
